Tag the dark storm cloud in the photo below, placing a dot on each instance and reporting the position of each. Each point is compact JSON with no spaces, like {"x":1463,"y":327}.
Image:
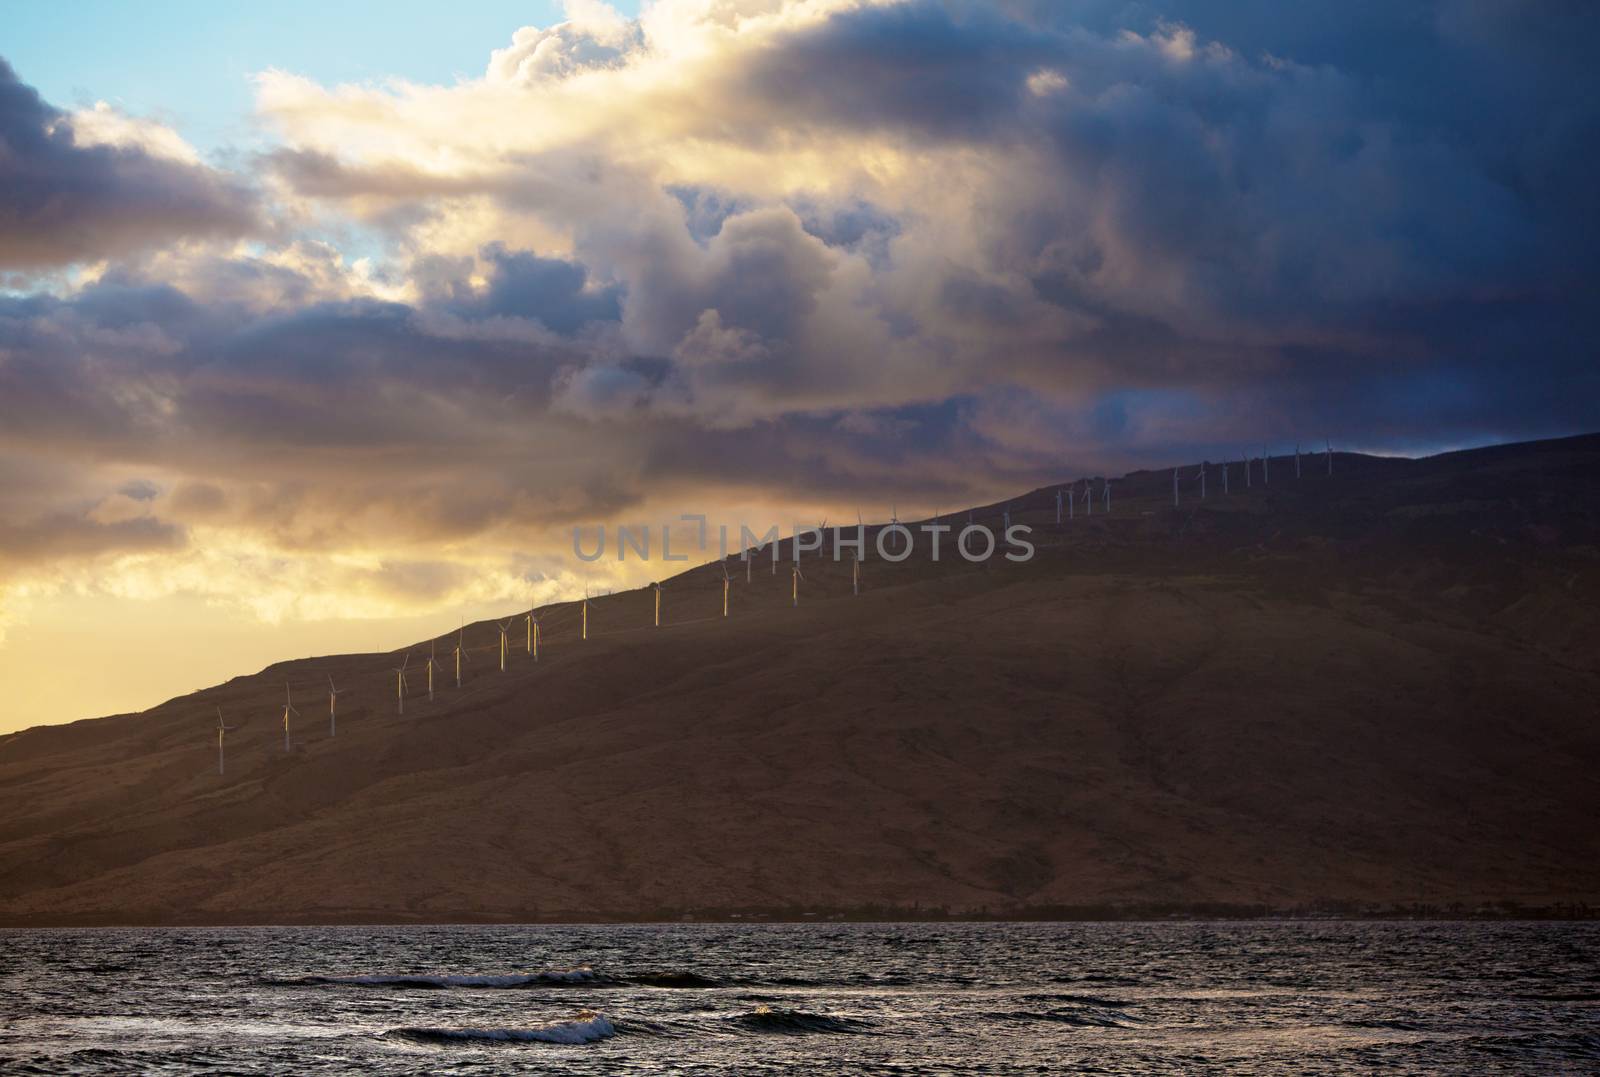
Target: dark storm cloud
{"x":63,"y":202}
{"x":1124,"y":232}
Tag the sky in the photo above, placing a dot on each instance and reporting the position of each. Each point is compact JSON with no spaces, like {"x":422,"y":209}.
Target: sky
{"x":322,"y":325}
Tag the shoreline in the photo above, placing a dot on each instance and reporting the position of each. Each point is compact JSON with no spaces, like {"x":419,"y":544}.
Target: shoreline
{"x":1578,"y":912}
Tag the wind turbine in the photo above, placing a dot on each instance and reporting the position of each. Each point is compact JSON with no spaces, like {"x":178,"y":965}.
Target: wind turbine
{"x":726,"y":580}
{"x":1058,"y":507}
{"x":1174,"y":487}
{"x":221,"y":729}
{"x":504,"y":645}
{"x":656,"y":587}
{"x":533,"y":633}
{"x":288,"y":709}
{"x":432,"y":665}
{"x":1088,"y":498}
{"x":855,"y":572}
{"x":333,"y":696}
{"x":1072,"y":503}
{"x":1202,"y":480}
{"x":1245,"y":460}
{"x":400,"y":684}
{"x":795,"y":585}
{"x":1224,"y":476}
{"x":1105,"y":486}
{"x":461,"y":650}
{"x":585,"y":626}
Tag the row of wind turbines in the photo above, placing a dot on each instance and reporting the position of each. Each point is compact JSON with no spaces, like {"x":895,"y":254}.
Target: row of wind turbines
{"x":1069,"y":499}
{"x":1248,"y":463}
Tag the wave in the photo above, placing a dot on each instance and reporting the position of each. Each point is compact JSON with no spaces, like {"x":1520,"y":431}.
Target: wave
{"x":672,"y":979}
{"x":581,"y":976}
{"x":1083,"y":1018}
{"x":796,"y":1022}
{"x":1082,"y":1000}
{"x":585,"y":1027}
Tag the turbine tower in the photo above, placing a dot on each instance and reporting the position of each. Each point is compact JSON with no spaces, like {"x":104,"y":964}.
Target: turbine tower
{"x":855,"y":572}
{"x":656,"y":587}
{"x":288,"y":709}
{"x":1072,"y":504}
{"x":794,"y":583}
{"x":585,"y":612}
{"x":1266,"y":467}
{"x":432,"y":665}
{"x":1245,"y":460}
{"x":461,"y":650}
{"x":400,"y":684}
{"x":1202,"y":480}
{"x":505,"y":626}
{"x":1105,"y":487}
{"x":1088,"y":498}
{"x":221,"y":729}
{"x":333,"y":698}
{"x":1058,"y":507}
{"x":533,"y":633}
{"x":726,"y":581}
{"x":1174,"y":487}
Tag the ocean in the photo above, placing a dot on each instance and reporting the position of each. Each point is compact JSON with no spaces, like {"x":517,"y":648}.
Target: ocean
{"x":1178,"y":997}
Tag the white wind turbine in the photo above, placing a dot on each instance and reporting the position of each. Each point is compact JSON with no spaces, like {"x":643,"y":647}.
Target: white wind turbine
{"x":288,"y":709}
{"x":1266,"y":467}
{"x":400,"y":684}
{"x":1224,"y":475}
{"x":855,"y":572}
{"x":505,"y":626}
{"x":1088,"y":498}
{"x":585,"y":624}
{"x":221,"y":729}
{"x":1072,"y":503}
{"x":656,"y":587}
{"x":1202,"y":480}
{"x":461,"y":650}
{"x":1058,"y":506}
{"x":794,"y":583}
{"x":333,"y":699}
{"x":726,"y":581}
{"x":432,"y":665}
{"x":1105,"y":486}
{"x":533,"y":633}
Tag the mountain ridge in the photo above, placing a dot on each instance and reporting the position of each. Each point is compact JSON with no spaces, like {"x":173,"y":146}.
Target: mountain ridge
{"x":1374,"y":688}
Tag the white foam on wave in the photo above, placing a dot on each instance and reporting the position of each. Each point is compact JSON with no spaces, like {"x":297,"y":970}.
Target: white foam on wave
{"x":583,"y":974}
{"x":585,"y":1027}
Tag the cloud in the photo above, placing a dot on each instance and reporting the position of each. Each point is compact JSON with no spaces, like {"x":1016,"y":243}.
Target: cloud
{"x":735,"y":252}
{"x":118,"y":187}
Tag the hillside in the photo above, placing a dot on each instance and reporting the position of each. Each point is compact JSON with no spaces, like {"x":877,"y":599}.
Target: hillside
{"x":1381,"y":686}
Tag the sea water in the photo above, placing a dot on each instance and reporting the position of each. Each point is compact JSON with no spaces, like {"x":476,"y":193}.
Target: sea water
{"x":1290,"y":997}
